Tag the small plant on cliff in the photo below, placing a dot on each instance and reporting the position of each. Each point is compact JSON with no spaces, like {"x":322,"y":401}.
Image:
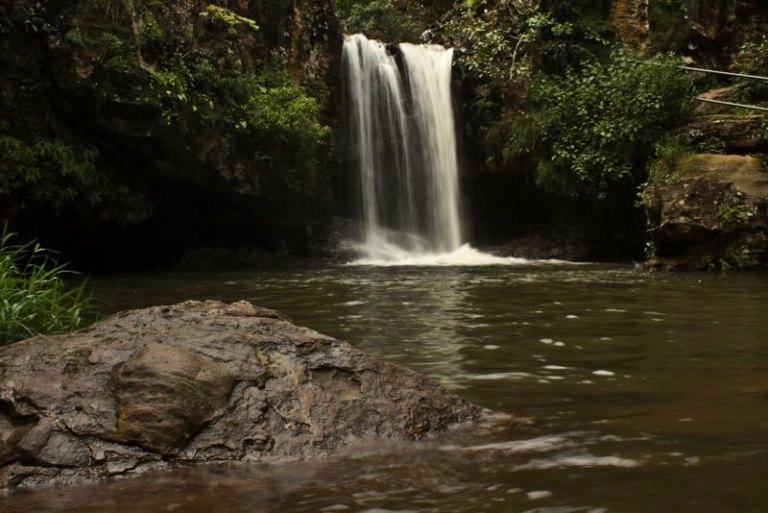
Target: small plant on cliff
{"x":34,"y":298}
{"x":50,"y":174}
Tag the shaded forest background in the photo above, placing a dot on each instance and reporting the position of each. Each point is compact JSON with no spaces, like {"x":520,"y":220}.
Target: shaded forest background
{"x":136,"y":133}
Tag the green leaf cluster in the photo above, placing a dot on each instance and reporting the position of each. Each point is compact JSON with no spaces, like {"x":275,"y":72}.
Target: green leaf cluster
{"x":34,"y":298}
{"x":227,"y":19}
{"x":387,"y":20}
{"x":752,"y":59}
{"x":267,"y":123}
{"x":592,"y":127}
{"x":274,"y":116}
{"x":734,"y":211}
{"x":509,"y":40}
{"x":27,"y":16}
{"x":51,"y":173}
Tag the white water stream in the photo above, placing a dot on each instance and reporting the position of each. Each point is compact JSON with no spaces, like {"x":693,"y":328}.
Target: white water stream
{"x":403,"y":133}
{"x":403,"y":128}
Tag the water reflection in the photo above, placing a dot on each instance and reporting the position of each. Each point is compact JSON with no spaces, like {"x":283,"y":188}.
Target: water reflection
{"x":436,"y":314}
{"x":645,"y":390}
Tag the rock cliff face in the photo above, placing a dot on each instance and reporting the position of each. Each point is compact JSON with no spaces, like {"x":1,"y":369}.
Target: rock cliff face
{"x":198,"y":383}
{"x":161,"y":92}
{"x":630,"y":17}
{"x":711,"y":214}
{"x":717,"y":28}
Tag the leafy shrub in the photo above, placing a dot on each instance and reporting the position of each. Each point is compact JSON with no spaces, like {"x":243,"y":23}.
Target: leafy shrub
{"x":665,"y":168}
{"x":34,"y":298}
{"x":227,"y":19}
{"x":594,"y":126}
{"x":734,"y":211}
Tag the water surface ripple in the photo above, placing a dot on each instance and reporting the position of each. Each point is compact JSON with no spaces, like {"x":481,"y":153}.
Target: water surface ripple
{"x":646,"y":392}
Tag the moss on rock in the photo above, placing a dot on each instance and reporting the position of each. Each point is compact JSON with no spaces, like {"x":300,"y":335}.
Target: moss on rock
{"x":713,"y":215}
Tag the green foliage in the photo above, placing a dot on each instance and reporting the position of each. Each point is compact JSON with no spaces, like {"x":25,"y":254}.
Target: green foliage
{"x":734,"y":211}
{"x":509,"y":40}
{"x":388,"y":20}
{"x":596,"y":124}
{"x":227,"y":19}
{"x":34,"y":298}
{"x":50,"y":173}
{"x":752,"y":59}
{"x":275,"y":116}
{"x":670,"y":25}
{"x":267,"y":124}
{"x":25,"y":16}
{"x":666,"y":168}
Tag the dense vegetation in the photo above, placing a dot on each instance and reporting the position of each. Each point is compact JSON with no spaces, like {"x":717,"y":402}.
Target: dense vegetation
{"x":111,"y":108}
{"x":34,"y":298}
{"x":752,"y":59}
{"x":566,"y":95}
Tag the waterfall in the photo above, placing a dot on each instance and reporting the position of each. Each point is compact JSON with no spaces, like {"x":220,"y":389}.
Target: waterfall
{"x":403,"y":130}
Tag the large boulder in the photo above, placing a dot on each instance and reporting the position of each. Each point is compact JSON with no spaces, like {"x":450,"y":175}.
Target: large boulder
{"x":711,"y":212}
{"x":198,"y":382}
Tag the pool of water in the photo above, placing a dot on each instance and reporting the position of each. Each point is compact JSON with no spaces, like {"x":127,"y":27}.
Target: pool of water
{"x":645,"y":392}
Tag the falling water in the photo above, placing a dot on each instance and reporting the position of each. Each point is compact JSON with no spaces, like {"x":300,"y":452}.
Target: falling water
{"x":403,"y":128}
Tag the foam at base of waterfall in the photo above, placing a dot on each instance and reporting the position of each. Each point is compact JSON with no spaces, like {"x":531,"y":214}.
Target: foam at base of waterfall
{"x":390,"y":255}
{"x":403,"y":137}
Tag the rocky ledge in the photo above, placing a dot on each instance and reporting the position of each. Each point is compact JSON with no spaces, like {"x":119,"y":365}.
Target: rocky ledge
{"x":198,"y":382}
{"x":711,"y":213}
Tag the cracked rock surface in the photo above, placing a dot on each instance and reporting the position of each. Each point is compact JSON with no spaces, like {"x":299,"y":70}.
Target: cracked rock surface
{"x":198,"y":382}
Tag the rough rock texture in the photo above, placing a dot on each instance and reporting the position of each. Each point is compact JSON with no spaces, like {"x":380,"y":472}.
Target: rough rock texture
{"x":734,"y":133}
{"x":630,"y":17}
{"x":713,"y":214}
{"x":732,"y":93}
{"x":198,"y":383}
{"x":719,"y":27}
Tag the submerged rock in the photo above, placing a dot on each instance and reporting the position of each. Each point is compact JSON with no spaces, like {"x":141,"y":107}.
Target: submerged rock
{"x":198,"y":382}
{"x":712,"y":212}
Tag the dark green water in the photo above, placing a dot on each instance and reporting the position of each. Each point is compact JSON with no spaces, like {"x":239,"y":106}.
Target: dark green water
{"x":647,"y":393}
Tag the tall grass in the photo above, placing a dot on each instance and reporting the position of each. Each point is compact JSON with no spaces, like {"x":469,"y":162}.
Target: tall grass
{"x":34,"y":298}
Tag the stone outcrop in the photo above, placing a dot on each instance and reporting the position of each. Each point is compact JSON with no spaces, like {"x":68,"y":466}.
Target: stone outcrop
{"x":630,"y":17}
{"x":711,"y":213}
{"x":198,"y":382}
{"x":131,"y":80}
{"x":733,"y":133}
